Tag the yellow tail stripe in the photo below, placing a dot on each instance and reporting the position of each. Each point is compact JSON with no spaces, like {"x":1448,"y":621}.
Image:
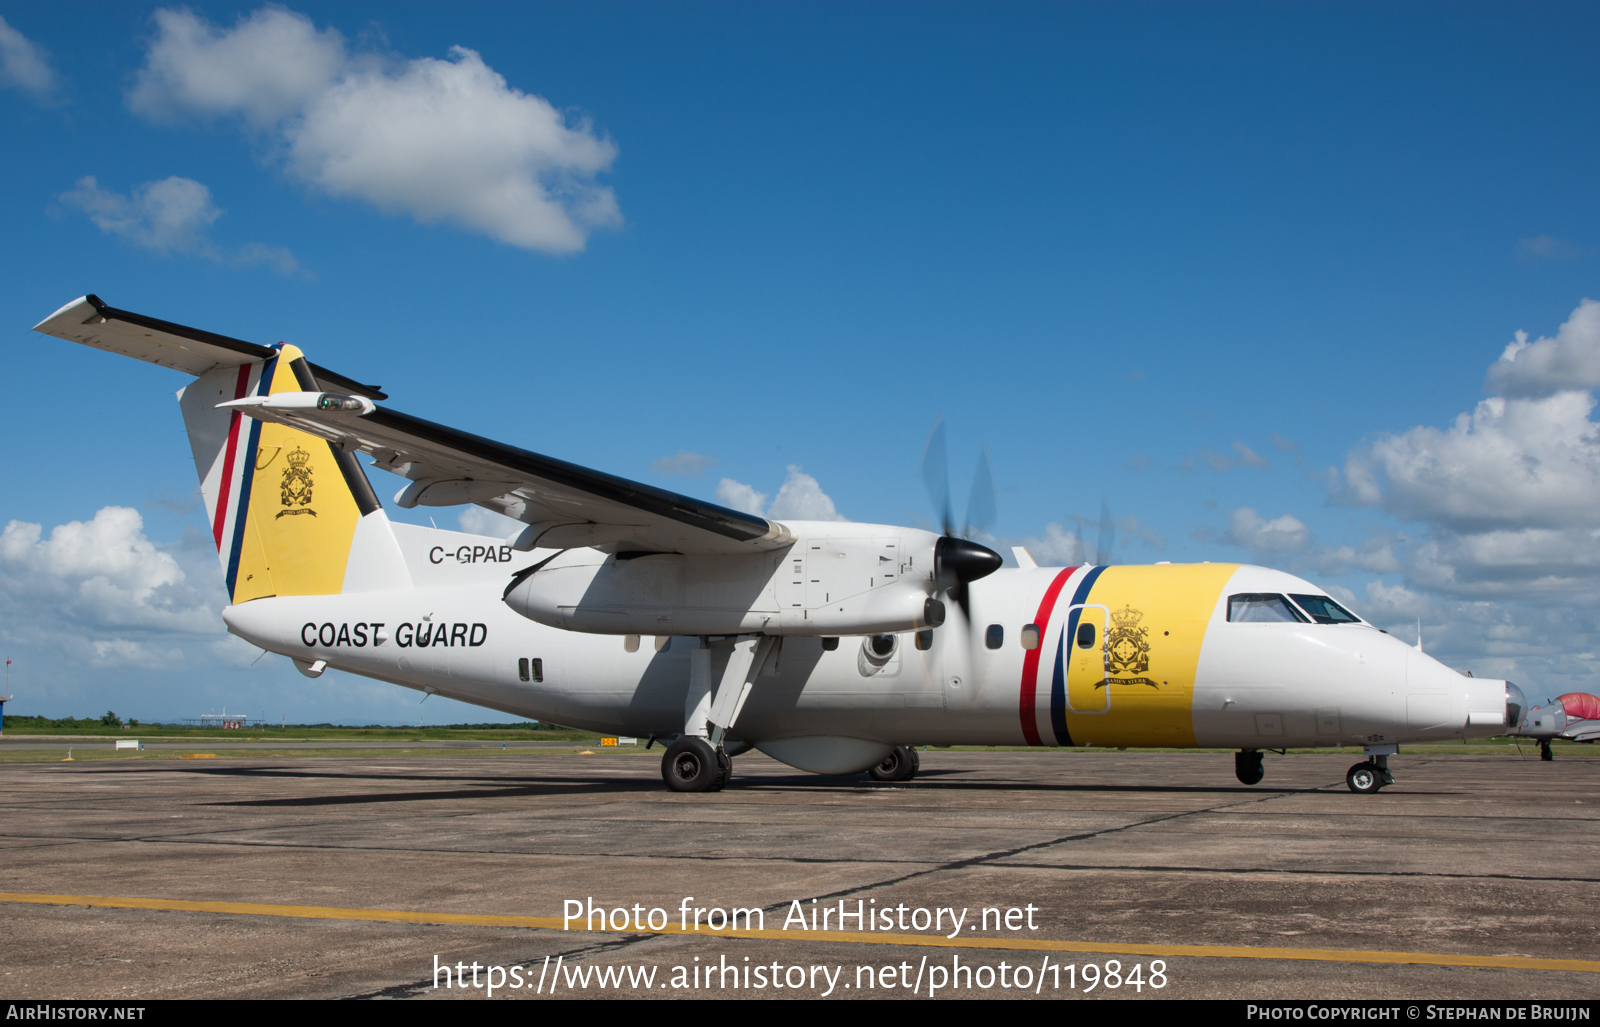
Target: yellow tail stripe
{"x":553,"y":923}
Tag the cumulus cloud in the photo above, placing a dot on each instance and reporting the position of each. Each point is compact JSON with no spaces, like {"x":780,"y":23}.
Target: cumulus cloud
{"x":1058,"y":547}
{"x":173,"y":215}
{"x":475,"y":520}
{"x":1546,"y":366}
{"x":100,"y":592}
{"x":1509,"y":493}
{"x":25,"y":65}
{"x":438,"y":140}
{"x":738,"y":496}
{"x":1249,"y":530}
{"x":684,"y":464}
{"x":800,"y":498}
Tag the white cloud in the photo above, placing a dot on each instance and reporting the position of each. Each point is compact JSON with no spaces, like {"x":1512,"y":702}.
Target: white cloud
{"x":736,"y":495}
{"x":270,"y":65}
{"x":475,"y":520}
{"x":1249,"y":530}
{"x":683,"y":464}
{"x":1510,"y":463}
{"x":100,"y":592}
{"x":1509,"y":493}
{"x":1058,"y":547}
{"x":1546,"y":366}
{"x":439,"y":140}
{"x":800,"y":498}
{"x":25,"y":65}
{"x":173,"y":215}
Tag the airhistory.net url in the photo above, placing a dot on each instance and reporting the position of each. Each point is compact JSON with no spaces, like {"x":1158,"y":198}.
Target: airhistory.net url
{"x":927,"y":977}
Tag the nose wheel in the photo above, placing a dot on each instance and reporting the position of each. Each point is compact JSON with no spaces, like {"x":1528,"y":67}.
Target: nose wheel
{"x":1247,"y":767}
{"x":1366,"y":778}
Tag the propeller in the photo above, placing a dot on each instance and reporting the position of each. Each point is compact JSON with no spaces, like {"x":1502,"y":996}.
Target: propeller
{"x":957,"y":559}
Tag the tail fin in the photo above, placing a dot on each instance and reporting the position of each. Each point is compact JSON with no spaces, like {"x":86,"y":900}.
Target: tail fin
{"x":291,"y":514}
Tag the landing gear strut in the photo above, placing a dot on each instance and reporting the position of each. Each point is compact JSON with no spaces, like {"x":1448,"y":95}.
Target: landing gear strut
{"x":1544,"y":750}
{"x":1247,"y":766}
{"x":692,"y":765}
{"x":900,"y":765}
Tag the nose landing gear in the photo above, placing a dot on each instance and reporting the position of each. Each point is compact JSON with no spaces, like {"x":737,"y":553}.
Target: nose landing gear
{"x":1247,"y":766}
{"x":1366,"y":778}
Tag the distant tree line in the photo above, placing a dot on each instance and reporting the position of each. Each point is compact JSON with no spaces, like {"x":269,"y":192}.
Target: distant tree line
{"x":110,"y":719}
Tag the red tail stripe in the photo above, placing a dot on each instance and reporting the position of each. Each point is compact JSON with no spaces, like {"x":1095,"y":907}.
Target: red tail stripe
{"x":1030,"y":661}
{"x":228,"y":456}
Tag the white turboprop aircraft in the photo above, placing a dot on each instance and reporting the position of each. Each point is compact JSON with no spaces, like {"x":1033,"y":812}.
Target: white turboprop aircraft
{"x":829,"y":646}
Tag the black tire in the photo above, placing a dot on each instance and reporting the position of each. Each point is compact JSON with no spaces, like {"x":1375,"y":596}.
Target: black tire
{"x":1364,"y":778}
{"x":1247,"y":767}
{"x":900,"y":765}
{"x":690,"y":765}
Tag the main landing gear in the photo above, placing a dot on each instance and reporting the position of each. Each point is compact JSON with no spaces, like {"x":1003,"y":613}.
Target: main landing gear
{"x":1545,"y":755}
{"x":692,"y":765}
{"x":900,"y":765}
{"x":1247,"y":766}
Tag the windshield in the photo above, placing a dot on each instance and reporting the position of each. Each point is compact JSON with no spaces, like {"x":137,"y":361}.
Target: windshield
{"x":1261,"y":608}
{"x":1325,"y":611}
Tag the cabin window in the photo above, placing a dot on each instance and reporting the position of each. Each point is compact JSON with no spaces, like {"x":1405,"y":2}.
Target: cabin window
{"x":1085,"y":636}
{"x":537,"y":668}
{"x":522,"y":668}
{"x":1030,"y":636}
{"x":1324,"y":610}
{"x":1262,"y":608}
{"x":995,"y":637}
{"x":925,"y":639}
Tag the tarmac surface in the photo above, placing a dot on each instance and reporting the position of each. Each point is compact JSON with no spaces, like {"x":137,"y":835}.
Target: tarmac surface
{"x":1467,"y":859}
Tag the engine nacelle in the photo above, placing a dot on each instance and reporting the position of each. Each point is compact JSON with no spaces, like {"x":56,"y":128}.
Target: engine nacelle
{"x":837,"y":579}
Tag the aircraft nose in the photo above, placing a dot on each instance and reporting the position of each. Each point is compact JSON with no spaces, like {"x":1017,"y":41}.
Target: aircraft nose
{"x":1516,"y":706}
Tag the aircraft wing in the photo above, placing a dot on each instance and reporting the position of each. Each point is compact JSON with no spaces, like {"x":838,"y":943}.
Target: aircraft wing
{"x":90,"y":321}
{"x":565,"y":505}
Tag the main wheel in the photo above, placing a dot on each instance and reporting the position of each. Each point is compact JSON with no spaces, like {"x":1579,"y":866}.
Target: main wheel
{"x":1364,"y":779}
{"x":691,"y":765}
{"x":1247,"y":766}
{"x":900,"y":765}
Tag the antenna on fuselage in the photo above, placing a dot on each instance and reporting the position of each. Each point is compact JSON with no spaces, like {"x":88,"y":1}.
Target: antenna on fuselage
{"x":1419,"y":634}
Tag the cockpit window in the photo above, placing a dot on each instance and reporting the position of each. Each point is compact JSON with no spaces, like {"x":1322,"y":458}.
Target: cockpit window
{"x":1261,"y":608}
{"x":1325,"y":611}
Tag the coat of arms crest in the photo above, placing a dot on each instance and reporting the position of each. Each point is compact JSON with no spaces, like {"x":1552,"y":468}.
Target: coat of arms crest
{"x":1128,"y":649}
{"x":296,"y":486}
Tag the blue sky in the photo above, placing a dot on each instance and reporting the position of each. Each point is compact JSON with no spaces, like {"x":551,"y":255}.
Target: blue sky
{"x":1235,"y":269}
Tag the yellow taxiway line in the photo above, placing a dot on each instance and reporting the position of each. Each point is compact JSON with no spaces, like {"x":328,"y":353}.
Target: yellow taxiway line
{"x":554,"y":923}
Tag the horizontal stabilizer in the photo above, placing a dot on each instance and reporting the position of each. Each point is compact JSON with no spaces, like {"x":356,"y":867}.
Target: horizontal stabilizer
{"x":90,"y":321}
